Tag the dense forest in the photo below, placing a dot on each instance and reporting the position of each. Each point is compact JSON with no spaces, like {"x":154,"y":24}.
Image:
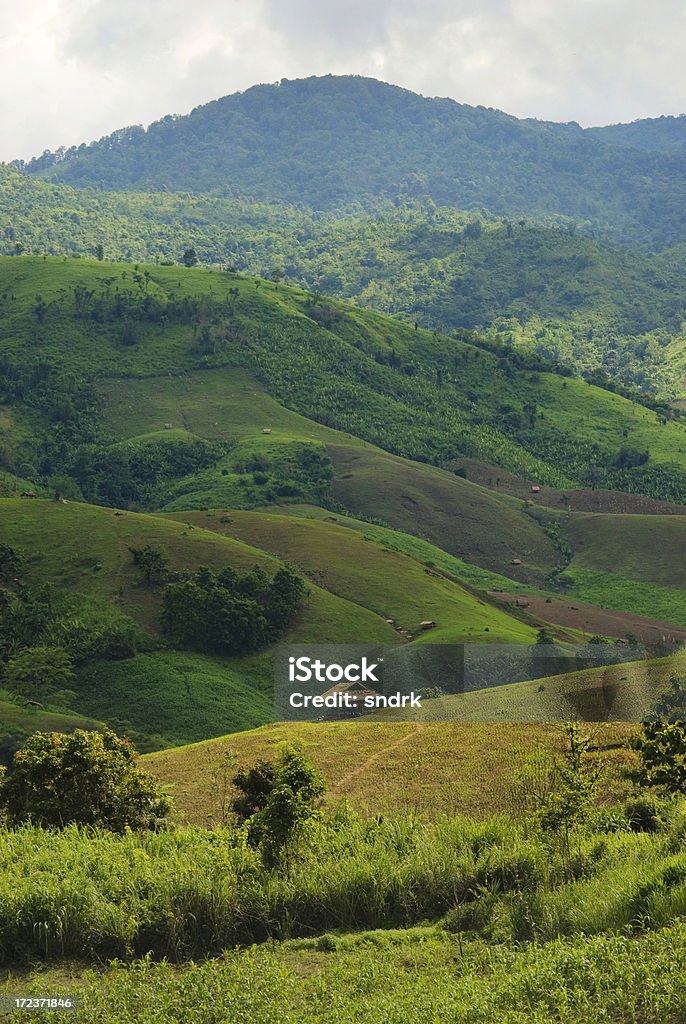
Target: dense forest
{"x":336,"y":140}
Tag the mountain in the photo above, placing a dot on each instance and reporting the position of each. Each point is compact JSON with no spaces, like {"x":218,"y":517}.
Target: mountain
{"x":331,"y":141}
{"x":654,"y":134}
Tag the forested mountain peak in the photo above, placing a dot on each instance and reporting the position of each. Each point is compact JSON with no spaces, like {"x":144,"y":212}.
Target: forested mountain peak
{"x":335,"y":140}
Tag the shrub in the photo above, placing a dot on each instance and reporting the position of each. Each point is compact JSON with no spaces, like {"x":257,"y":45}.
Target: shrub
{"x":87,"y":778}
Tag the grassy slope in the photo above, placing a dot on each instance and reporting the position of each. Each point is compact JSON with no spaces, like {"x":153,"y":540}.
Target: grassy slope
{"x":630,"y":562}
{"x":85,"y":549}
{"x":463,"y":519}
{"x":229,"y":405}
{"x":572,"y":408}
{"x":430,"y":768}
{"x":178,"y":697}
{"x":620,"y":693}
{"x":395,"y":540}
{"x":360,"y":569}
{"x":644,"y":548}
{"x":226,"y":403}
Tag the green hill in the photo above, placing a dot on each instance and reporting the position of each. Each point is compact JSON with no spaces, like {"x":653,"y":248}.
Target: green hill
{"x":361,"y":569}
{"x":430,"y":768}
{"x":166,"y":389}
{"x":589,"y":305}
{"x":159,"y":695}
{"x":618,"y":693}
{"x":331,"y":140}
{"x":68,"y":326}
{"x":632,"y":562}
{"x":164,"y":696}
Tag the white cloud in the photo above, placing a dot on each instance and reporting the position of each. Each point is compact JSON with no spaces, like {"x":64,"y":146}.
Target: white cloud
{"x":77,"y":69}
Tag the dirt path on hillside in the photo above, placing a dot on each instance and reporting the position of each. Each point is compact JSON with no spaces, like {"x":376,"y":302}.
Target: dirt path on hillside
{"x":375,"y":757}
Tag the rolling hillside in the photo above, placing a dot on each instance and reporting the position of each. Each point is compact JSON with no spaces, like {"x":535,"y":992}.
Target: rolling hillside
{"x":189,"y":399}
{"x":66,"y":326}
{"x":592,"y":306}
{"x":164,"y":696}
{"x":359,"y":568}
{"x":160,"y":695}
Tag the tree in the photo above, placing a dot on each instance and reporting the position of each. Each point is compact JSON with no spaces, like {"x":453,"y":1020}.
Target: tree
{"x":254,"y":786}
{"x":189,"y":258}
{"x":152,"y":562}
{"x":288,"y":805}
{"x":661,"y":745}
{"x":38,"y":671}
{"x":287,"y":591}
{"x":11,"y":563}
{"x":562,"y":795}
{"x":662,"y":751}
{"x":87,"y":778}
{"x":228,"y":613}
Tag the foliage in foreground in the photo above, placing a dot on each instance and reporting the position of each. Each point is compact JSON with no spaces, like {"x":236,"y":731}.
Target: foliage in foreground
{"x":86,"y":778}
{"x":189,"y":892}
{"x":418,"y":976}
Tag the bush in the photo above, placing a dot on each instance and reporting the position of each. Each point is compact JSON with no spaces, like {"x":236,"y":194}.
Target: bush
{"x":86,"y":778}
{"x":645,"y":814}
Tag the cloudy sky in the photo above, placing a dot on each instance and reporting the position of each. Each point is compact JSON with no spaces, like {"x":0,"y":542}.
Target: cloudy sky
{"x":73,"y":70}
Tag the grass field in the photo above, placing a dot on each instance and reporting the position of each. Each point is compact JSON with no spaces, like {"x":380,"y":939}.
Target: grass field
{"x":409,"y":544}
{"x":614,"y":693}
{"x":630,"y":562}
{"x":648,"y":549}
{"x":409,"y":975}
{"x":85,"y":549}
{"x":465,"y":520}
{"x":384,"y":767}
{"x":163,"y":696}
{"x":226,"y":403}
{"x":360,"y":568}
{"x":168,"y":698}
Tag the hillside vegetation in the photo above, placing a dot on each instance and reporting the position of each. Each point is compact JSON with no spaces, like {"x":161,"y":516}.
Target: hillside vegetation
{"x":596,"y":308}
{"x":332,"y":140}
{"x":67,"y":325}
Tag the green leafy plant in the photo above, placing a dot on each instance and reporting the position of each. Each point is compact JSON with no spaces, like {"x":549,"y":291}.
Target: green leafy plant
{"x":287,"y":807}
{"x":87,"y":778}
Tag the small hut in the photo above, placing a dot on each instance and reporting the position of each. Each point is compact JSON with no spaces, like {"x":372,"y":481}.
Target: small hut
{"x":356,"y":692}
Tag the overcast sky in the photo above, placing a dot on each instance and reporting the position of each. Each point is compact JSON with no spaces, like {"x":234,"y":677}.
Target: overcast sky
{"x":73,"y":70}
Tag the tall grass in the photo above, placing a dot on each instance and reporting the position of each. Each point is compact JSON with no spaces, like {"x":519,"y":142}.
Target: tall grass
{"x":190,"y":892}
